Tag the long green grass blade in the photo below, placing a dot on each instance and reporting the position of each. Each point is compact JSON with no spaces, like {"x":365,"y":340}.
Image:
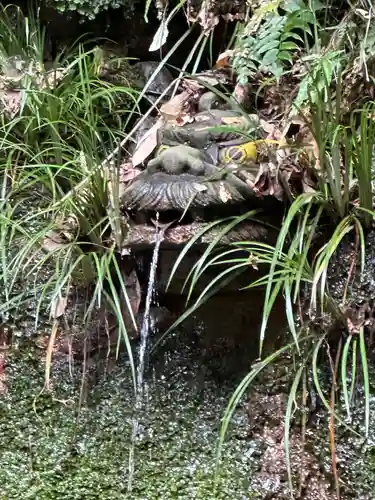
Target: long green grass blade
{"x":288,"y":417}
{"x":353,"y":369}
{"x":319,"y":388}
{"x":344,"y":371}
{"x":366,"y":381}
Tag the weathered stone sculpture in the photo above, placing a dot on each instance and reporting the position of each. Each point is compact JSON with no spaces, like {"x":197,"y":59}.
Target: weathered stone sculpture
{"x":182,"y":177}
{"x":198,"y":165}
{"x":206,"y":163}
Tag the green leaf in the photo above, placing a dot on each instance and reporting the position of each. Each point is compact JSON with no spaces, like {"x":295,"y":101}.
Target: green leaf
{"x":288,"y":417}
{"x":285,"y":56}
{"x":366,"y":382}
{"x":288,"y":46}
{"x":270,"y":57}
{"x":344,"y":370}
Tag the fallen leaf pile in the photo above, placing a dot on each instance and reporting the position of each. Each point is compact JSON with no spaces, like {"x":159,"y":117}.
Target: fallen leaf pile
{"x":208,"y":12}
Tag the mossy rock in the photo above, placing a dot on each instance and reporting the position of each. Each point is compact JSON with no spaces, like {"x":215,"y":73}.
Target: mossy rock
{"x":144,"y":71}
{"x":116,"y":68}
{"x":90,"y":9}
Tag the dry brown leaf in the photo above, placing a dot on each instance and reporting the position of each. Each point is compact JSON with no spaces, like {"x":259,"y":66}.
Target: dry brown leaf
{"x":183,"y":119}
{"x":273,"y":131}
{"x":224,"y":58}
{"x":128,"y":172}
{"x":175,"y":107}
{"x":11,"y":100}
{"x":51,"y":343}
{"x":266,"y":183}
{"x":242,"y":94}
{"x":53,"y":241}
{"x":192,"y":86}
{"x":208,"y":20}
{"x":305,"y":138}
{"x":239,"y":16}
{"x":146,"y":144}
{"x":58,"y":307}
{"x":68,"y":225}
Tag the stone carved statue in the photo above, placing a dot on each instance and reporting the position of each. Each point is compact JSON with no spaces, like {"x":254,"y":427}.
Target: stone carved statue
{"x":204,"y":163}
{"x":205,"y":168}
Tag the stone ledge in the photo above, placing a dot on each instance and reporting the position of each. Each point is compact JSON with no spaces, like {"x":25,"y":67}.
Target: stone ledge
{"x":143,"y":235}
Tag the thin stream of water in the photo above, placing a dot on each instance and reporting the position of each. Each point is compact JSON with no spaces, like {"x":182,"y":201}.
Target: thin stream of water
{"x":144,"y":336}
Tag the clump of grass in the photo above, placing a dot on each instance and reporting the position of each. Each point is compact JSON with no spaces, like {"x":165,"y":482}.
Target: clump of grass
{"x":55,"y":178}
{"x":58,"y":155}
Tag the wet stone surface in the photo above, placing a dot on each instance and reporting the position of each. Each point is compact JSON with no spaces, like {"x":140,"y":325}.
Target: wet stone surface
{"x":53,"y":449}
{"x":56,"y":446}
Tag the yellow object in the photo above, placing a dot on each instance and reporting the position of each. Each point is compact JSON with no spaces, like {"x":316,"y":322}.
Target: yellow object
{"x":240,"y":153}
{"x":248,"y":151}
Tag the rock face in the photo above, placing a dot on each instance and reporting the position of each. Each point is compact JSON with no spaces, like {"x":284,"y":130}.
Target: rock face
{"x":145,"y":71}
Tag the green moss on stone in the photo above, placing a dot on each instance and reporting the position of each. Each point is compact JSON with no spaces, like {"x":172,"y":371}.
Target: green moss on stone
{"x":51,"y":449}
{"x":89,"y":9}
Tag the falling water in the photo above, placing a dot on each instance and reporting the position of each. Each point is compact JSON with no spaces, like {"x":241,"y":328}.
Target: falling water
{"x":144,"y":335}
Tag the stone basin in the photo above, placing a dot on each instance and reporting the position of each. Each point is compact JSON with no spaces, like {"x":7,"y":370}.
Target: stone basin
{"x":141,"y":236}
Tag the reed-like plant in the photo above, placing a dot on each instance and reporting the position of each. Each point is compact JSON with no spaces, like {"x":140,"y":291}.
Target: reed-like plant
{"x":314,"y":226}
{"x":55,"y":180}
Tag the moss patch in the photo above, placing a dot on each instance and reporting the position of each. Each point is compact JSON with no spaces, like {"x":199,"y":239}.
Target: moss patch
{"x":51,"y":449}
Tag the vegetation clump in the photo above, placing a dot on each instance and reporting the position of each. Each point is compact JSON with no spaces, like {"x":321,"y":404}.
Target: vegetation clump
{"x":62,"y":130}
{"x":90,"y":9}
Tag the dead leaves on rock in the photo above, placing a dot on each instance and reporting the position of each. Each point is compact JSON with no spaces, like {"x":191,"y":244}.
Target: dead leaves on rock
{"x":53,"y":241}
{"x":179,"y":109}
{"x":277,"y":171}
{"x":176,"y":110}
{"x":208,"y":12}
